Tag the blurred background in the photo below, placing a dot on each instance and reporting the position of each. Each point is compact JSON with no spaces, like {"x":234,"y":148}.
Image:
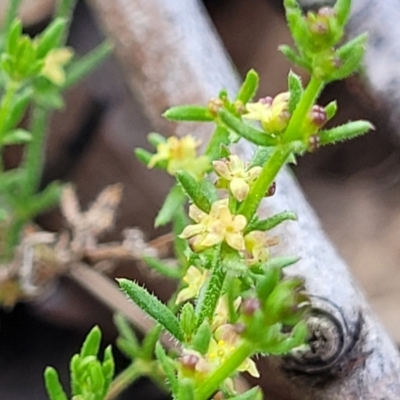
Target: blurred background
{"x":354,"y":187}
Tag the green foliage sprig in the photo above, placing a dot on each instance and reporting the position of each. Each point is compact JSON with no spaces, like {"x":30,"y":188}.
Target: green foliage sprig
{"x":233,"y":299}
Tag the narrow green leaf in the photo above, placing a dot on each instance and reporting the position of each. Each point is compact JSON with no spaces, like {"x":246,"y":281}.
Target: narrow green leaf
{"x":180,"y":245}
{"x":331,"y":109}
{"x":127,"y":341}
{"x":75,"y":374}
{"x":17,"y":136}
{"x":78,"y":69}
{"x":14,"y":34}
{"x":153,"y":307}
{"x":53,"y":385}
{"x":51,"y":36}
{"x":108,"y":368}
{"x":164,"y":269}
{"x":44,"y":200}
{"x":202,"y":337}
{"x":175,"y":199}
{"x":155,"y":139}
{"x":294,"y":57}
{"x":254,"y":393}
{"x":267,"y":283}
{"x":261,"y":156}
{"x":344,"y":132}
{"x":143,"y":155}
{"x":351,"y":55}
{"x":246,"y":131}
{"x":18,"y":109}
{"x":342,"y":8}
{"x":189,"y":113}
{"x":96,"y":377}
{"x":295,"y":90}
{"x":272,"y":222}
{"x":219,"y":138}
{"x":168,"y":367}
{"x":149,"y":343}
{"x":91,"y":344}
{"x":281,"y":262}
{"x":194,"y":190}
{"x":187,"y":319}
{"x":249,"y":87}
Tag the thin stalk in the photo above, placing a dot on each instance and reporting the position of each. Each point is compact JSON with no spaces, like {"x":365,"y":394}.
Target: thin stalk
{"x":213,"y":292}
{"x":12,"y":238}
{"x":228,"y":368}
{"x":309,"y":97}
{"x":34,"y":153}
{"x":65,"y":9}
{"x":124,"y":379}
{"x":271,"y":168}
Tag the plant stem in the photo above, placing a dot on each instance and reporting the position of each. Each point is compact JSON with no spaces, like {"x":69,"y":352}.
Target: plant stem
{"x":124,"y":379}
{"x":271,"y":168}
{"x":34,"y":156}
{"x":213,"y":292}
{"x":207,"y":387}
{"x":309,"y":97}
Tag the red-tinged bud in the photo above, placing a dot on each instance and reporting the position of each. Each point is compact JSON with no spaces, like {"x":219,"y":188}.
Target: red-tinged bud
{"x":189,"y":361}
{"x":250,"y":306}
{"x":318,"y":116}
{"x":239,"y":107}
{"x":266,"y":100}
{"x":239,"y":328}
{"x":271,"y":190}
{"x":313,"y":143}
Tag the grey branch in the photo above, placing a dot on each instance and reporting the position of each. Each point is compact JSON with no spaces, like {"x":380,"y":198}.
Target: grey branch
{"x":172,"y":55}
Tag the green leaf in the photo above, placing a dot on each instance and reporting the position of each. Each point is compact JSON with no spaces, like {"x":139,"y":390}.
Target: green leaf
{"x":180,"y":245}
{"x":281,"y":262}
{"x":187,"y":319}
{"x":13,"y":37}
{"x":53,"y":385}
{"x":249,"y":87}
{"x":219,"y":138}
{"x":294,"y":57}
{"x":51,"y":36}
{"x":78,"y":69}
{"x":96,"y":377}
{"x":17,"y":136}
{"x":75,"y":374}
{"x":189,"y":113}
{"x":91,"y":344}
{"x":344,"y":132}
{"x":175,"y":198}
{"x":127,"y":341}
{"x":272,"y":222}
{"x":108,"y":368}
{"x":153,"y":307}
{"x":164,"y":269}
{"x":342,"y":8}
{"x":143,"y":155}
{"x":331,"y":110}
{"x":155,"y":139}
{"x":254,"y":393}
{"x":246,"y":131}
{"x":268,"y":282}
{"x":18,"y":109}
{"x":168,"y":367}
{"x":261,"y":156}
{"x":351,"y":55}
{"x":194,"y":190}
{"x":201,"y":339}
{"x":295,"y":90}
{"x":149,"y":343}
{"x":44,"y":200}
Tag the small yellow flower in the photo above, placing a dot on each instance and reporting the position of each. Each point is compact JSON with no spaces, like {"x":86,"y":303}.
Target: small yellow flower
{"x":195,"y":280}
{"x":235,"y":174}
{"x":221,"y":314}
{"x":54,"y":62}
{"x":225,"y":341}
{"x":272,"y":113}
{"x":257,"y":245}
{"x":214,"y":228}
{"x":180,"y":154}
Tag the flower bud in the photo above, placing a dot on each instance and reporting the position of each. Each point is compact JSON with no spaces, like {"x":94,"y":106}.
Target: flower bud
{"x":271,"y":190}
{"x":214,"y":105}
{"x":313,"y":143}
{"x":250,"y":306}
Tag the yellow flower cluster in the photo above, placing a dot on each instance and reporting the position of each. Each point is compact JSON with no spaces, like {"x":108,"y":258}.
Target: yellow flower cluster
{"x":233,"y":173}
{"x":272,"y":113}
{"x":181,"y":154}
{"x":54,"y":62}
{"x":220,"y":225}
